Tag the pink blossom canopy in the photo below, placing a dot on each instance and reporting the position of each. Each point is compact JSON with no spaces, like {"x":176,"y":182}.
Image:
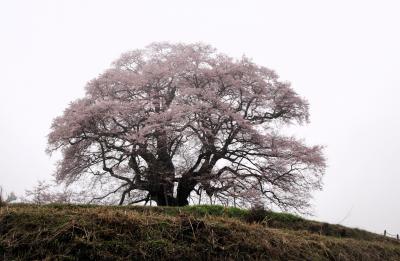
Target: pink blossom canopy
{"x":177,"y":120}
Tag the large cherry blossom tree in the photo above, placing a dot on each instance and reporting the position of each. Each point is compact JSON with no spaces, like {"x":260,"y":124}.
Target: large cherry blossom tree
{"x":172,"y":120}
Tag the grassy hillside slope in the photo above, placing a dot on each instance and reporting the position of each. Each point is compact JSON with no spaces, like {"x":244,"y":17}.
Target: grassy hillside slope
{"x":70,"y":232}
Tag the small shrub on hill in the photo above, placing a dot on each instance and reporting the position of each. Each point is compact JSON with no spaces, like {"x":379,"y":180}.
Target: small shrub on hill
{"x":256,"y":214}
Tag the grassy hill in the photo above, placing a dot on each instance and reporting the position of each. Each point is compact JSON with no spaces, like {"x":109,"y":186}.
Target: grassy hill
{"x":83,"y":232}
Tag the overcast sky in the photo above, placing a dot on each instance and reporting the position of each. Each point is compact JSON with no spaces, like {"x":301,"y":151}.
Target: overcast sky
{"x":343,"y":56}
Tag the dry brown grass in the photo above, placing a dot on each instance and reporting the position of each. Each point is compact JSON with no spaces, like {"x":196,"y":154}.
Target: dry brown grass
{"x":112,"y":233}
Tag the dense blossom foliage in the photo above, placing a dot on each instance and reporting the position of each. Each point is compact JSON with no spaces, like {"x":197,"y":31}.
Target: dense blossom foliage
{"x":172,"y":120}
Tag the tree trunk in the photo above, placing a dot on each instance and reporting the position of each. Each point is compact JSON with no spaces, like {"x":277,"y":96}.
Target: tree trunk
{"x":185,"y":187}
{"x":164,"y":199}
{"x":163,"y":193}
{"x":160,"y":183}
{"x":162,"y":174}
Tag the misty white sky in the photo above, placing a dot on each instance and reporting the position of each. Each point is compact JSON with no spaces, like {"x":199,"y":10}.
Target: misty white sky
{"x":343,"y":56}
